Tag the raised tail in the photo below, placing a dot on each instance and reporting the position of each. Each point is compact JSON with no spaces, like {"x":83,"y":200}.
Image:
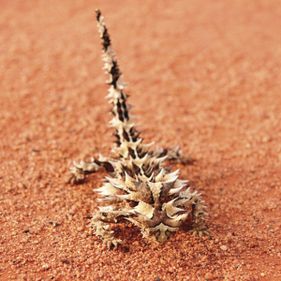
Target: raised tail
{"x":130,"y":148}
{"x":125,"y":129}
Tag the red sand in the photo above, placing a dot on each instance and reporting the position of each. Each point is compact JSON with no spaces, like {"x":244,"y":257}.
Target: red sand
{"x":202,"y":74}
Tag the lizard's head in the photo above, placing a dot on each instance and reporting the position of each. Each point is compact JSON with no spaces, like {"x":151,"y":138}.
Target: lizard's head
{"x":157,"y":209}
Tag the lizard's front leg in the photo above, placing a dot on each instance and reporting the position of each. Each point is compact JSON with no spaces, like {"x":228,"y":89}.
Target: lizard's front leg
{"x":81,"y":169}
{"x":193,"y":203}
{"x":101,"y":224}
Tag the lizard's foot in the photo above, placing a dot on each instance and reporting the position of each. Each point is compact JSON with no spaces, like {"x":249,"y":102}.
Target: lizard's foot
{"x":200,"y":230}
{"x":80,"y":170}
{"x":112,"y":244}
{"x":174,"y":155}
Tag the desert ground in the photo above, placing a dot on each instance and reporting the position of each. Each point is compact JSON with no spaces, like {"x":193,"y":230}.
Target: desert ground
{"x":201,"y":74}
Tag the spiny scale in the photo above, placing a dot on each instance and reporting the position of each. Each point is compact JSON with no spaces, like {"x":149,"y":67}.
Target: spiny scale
{"x":138,"y":189}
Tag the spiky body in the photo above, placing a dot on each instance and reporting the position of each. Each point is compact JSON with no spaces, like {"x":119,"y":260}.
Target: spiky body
{"x":138,"y":189}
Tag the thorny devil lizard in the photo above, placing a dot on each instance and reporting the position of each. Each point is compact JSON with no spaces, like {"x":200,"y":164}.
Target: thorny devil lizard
{"x":139,"y":189}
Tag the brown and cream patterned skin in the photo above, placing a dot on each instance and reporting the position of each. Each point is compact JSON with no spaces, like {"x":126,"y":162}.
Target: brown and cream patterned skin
{"x":138,"y":189}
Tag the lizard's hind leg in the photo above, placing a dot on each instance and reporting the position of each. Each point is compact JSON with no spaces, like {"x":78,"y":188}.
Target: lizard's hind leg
{"x":81,"y":169}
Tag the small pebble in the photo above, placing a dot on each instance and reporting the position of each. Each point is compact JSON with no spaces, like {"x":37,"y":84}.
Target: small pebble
{"x":223,"y":247}
{"x":45,"y":266}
